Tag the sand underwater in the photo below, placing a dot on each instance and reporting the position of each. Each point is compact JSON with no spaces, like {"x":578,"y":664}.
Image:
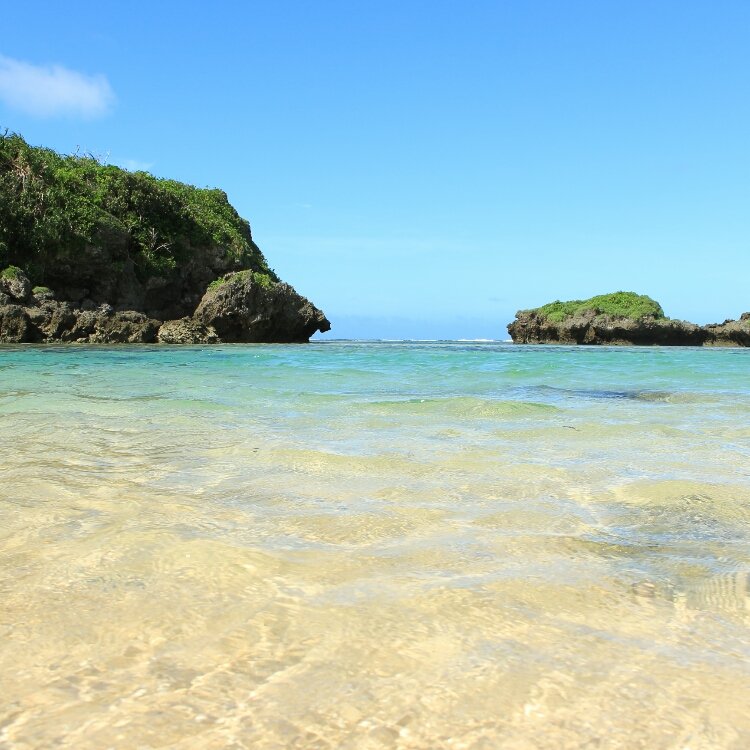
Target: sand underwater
{"x":374,"y":545}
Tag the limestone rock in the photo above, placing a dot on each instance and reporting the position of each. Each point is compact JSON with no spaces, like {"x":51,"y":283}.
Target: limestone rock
{"x":128,"y":327}
{"x":530,"y":327}
{"x":60,"y":321}
{"x":143,"y":245}
{"x":15,"y":284}
{"x":15,"y":326}
{"x":730,"y":332}
{"x":186,"y":331}
{"x":247,"y":307}
{"x":42,"y":294}
{"x":51,"y":320}
{"x":242,"y":306}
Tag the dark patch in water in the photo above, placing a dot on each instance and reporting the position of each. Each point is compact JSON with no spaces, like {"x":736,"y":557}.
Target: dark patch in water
{"x":92,"y":397}
{"x":662,"y":397}
{"x":605,"y":394}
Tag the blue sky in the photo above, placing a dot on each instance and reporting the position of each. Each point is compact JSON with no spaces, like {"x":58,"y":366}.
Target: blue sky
{"x":424,"y":169}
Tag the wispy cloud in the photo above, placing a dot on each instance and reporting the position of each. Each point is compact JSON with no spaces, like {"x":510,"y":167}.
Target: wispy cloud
{"x":134,"y":165}
{"x":53,"y":90}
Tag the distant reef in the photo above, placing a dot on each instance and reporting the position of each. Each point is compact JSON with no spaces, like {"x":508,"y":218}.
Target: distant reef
{"x":92,"y":253}
{"x":621,"y":318}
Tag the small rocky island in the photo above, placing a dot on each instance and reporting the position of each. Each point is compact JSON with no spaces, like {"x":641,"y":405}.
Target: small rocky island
{"x":92,"y":253}
{"x":620,"y":318}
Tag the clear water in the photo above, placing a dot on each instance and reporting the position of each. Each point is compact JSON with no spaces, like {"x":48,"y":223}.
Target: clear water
{"x":443,"y":545}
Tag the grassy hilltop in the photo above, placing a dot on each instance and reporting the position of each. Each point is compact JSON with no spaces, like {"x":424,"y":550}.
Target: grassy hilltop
{"x":627,"y":305}
{"x":52,"y":207}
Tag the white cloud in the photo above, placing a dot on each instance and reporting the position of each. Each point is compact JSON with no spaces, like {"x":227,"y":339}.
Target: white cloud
{"x":52,"y":90}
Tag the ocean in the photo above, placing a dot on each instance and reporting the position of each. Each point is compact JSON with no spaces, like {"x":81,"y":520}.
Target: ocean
{"x":374,"y":545}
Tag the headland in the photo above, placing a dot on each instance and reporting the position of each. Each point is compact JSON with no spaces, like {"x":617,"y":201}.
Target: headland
{"x":93,"y":253}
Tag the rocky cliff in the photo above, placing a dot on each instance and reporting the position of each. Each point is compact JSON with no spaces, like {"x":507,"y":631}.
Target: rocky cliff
{"x":620,"y":318}
{"x":93,"y":253}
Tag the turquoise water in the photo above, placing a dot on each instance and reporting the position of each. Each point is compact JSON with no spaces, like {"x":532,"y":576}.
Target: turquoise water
{"x":374,"y":545}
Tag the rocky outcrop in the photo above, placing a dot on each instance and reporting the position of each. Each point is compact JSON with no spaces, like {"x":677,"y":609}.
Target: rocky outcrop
{"x":131,"y":258}
{"x":730,"y":332}
{"x":54,"y":321}
{"x":14,"y":285}
{"x":249,"y":307}
{"x":239,"y":307}
{"x":187,"y":331}
{"x":105,"y":274}
{"x":105,"y":326}
{"x":591,"y":327}
{"x":15,"y":327}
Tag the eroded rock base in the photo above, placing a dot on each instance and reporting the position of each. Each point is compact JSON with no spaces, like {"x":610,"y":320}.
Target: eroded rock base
{"x":529,"y":327}
{"x":238,"y":307}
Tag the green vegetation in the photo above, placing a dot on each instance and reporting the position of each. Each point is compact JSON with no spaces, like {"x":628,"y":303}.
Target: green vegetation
{"x":11,"y":272}
{"x":216,"y":283}
{"x":616,"y":305}
{"x":54,"y":206}
{"x":261,"y":279}
{"x":37,"y":290}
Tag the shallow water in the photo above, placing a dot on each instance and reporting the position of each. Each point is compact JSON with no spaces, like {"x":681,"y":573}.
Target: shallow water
{"x":374,"y":545}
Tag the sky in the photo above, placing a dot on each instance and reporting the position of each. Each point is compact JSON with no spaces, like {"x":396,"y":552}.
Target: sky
{"x":424,"y":169}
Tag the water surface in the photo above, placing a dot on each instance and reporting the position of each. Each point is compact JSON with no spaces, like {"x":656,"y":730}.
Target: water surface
{"x":342,"y":545}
